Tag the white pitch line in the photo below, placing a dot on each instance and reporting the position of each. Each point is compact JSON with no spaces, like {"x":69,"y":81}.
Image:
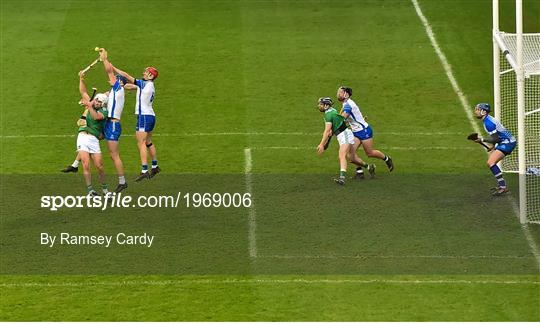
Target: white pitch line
{"x":527,"y":233}
{"x":234,"y":134}
{"x":267,"y":281}
{"x":392,"y":148}
{"x":252,"y":216}
{"x":466,"y":108}
{"x":446,"y":66}
{"x":530,"y":240}
{"x":395,"y":257}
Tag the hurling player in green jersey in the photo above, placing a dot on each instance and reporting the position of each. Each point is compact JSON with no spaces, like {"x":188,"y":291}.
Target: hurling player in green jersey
{"x":89,"y":133}
{"x":334,"y":124}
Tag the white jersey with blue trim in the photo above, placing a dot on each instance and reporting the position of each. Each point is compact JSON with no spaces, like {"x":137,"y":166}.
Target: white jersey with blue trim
{"x":492,"y":126}
{"x":145,"y":97}
{"x":115,"y":105}
{"x":356,"y":120}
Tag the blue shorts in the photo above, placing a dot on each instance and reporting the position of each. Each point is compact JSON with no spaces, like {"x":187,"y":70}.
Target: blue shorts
{"x":145,"y":123}
{"x":112,"y":131}
{"x":364,"y":134}
{"x":506,"y":148}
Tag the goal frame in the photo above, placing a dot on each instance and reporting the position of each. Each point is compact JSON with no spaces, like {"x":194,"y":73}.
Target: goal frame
{"x":498,"y":47}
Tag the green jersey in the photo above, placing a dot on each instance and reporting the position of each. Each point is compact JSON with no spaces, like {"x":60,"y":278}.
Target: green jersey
{"x":92,"y":126}
{"x":331,"y":116}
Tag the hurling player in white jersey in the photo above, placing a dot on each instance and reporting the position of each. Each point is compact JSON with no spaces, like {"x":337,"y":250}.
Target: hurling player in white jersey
{"x":363,"y":133}
{"x":146,"y":119}
{"x":113,"y":128}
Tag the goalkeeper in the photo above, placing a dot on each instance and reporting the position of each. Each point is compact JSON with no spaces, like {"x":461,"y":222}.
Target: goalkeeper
{"x":335,"y":125}
{"x":503,"y":141}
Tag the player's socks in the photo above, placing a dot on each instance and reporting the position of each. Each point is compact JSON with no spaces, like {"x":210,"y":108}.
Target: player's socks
{"x":75,"y":164}
{"x":89,"y":188}
{"x":154,"y":164}
{"x":121,"y":180}
{"x":105,"y":188}
{"x":389,"y":163}
{"x":498,"y":175}
{"x":144,"y":168}
{"x":342,"y":174}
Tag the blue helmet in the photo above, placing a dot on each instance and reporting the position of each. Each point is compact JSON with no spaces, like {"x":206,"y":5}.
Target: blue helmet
{"x":484,"y":106}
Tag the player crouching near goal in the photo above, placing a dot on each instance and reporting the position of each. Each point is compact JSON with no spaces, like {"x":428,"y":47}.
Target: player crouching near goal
{"x":334,"y":124}
{"x":503,"y":140}
{"x":90,"y":130}
{"x":146,"y":119}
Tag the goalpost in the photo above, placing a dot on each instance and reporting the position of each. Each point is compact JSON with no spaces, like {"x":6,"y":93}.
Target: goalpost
{"x":516,"y":78}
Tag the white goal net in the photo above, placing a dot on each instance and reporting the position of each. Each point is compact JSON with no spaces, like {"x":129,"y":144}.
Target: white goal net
{"x":509,"y":111}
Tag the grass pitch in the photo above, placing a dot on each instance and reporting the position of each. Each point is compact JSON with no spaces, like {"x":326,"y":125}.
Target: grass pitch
{"x":426,"y":242}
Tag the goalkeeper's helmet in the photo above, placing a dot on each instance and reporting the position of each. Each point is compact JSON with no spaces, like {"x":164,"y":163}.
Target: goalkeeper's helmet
{"x":484,"y":106}
{"x":326,"y":101}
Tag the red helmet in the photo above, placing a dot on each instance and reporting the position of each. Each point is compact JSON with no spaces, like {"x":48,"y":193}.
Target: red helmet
{"x":152,"y":71}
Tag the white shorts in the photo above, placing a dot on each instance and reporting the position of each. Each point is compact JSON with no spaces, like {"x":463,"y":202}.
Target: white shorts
{"x":345,"y":137}
{"x":88,"y":143}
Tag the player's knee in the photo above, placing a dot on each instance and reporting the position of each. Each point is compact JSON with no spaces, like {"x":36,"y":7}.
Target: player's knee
{"x":149,"y":144}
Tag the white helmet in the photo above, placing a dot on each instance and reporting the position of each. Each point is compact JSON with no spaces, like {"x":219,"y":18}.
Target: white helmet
{"x":101,"y":97}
